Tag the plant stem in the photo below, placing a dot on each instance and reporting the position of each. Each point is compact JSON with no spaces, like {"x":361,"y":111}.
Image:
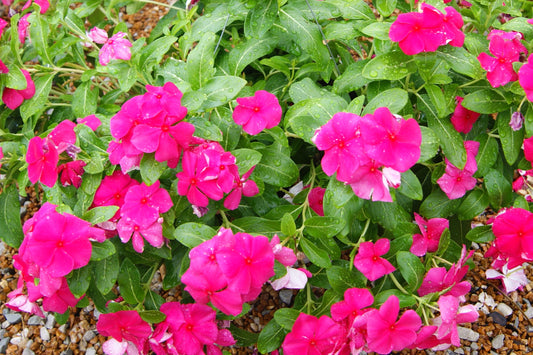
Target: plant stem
{"x":397,"y":283}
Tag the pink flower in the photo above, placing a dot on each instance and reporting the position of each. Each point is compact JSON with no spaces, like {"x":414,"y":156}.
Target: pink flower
{"x":340,"y":139}
{"x":419,"y":32}
{"x":130,"y":229}
{"x":90,"y":121}
{"x":63,"y":135}
{"x":125,"y":326}
{"x":294,"y":279}
{"x":528,"y":149}
{"x":282,"y":254}
{"x":455,"y":182}
{"x":13,"y":98}
{"x":257,"y":112}
{"x":316,"y":200}
{"x":241,"y":186}
{"x":20,"y":302}
{"x":512,"y":279}
{"x":451,"y":315}
{"x":23,"y":27}
{"x":97,"y":35}
{"x":355,"y":302}
{"x":61,"y":299}
{"x":115,"y":48}
{"x":453,"y":22}
{"x":514,"y":235}
{"x":1,"y":156}
{"x":112,"y":190}
{"x":500,"y":68}
{"x":463,"y":119}
{"x":42,"y":159}
{"x":166,"y":98}
{"x":43,"y":4}
{"x":517,"y":120}
{"x":432,"y":230}
{"x":311,"y":335}
{"x":386,"y":333}
{"x":369,"y":182}
{"x":391,"y":140}
{"x":369,"y":261}
{"x":525,"y":77}
{"x":143,"y":204}
{"x":70,"y":173}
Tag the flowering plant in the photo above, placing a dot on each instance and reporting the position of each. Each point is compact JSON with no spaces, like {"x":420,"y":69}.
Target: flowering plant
{"x":336,"y":146}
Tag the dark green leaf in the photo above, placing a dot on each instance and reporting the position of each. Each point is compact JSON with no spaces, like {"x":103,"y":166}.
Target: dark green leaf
{"x":261,"y":18}
{"x":498,"y":188}
{"x":315,"y":254}
{"x":430,"y":144}
{"x":410,"y":186}
{"x":201,"y":61}
{"x":105,"y":273}
{"x":320,"y":227}
{"x":511,"y":141}
{"x":487,"y":154}
{"x":481,"y":234}
{"x":246,"y":159}
{"x":43,"y":85}
{"x":405,"y":300}
{"x":286,"y":317}
{"x":411,"y":268}
{"x":341,"y":279}
{"x":475,"y":202}
{"x":129,"y":281}
{"x":174,"y":266}
{"x":461,"y":61}
{"x":39,"y":32}
{"x":10,"y":224}
{"x":102,"y":250}
{"x":270,"y":337}
{"x":394,"y":99}
{"x":192,"y":234}
{"x":247,"y":52}
{"x":388,"y":214}
{"x":152,"y":54}
{"x":485,"y":101}
{"x":437,"y":204}
{"x":394,"y":65}
{"x":258,"y":226}
{"x":276,"y":168}
{"x":355,"y":9}
{"x":242,"y":337}
{"x":352,"y":78}
{"x":79,"y":281}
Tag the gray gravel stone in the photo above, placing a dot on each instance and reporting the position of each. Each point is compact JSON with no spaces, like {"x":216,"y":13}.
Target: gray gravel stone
{"x":474,"y":346}
{"x":62,"y":328}
{"x":504,"y":309}
{"x":467,"y":334}
{"x":497,"y":341}
{"x":35,"y":320}
{"x":2,"y":247}
{"x":45,"y":335}
{"x":5,"y":324}
{"x":90,"y":351}
{"x":285,"y":296}
{"x":28,"y":352}
{"x":12,"y":318}
{"x":458,"y":351}
{"x":89,"y":335}
{"x":4,"y":342}
{"x":529,"y":312}
{"x":67,"y":352}
{"x":50,"y":321}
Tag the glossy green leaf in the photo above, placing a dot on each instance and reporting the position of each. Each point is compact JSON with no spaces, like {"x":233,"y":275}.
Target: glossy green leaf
{"x":261,"y":18}
{"x":151,"y":169}
{"x":276,"y":168}
{"x":315,"y":254}
{"x":394,"y":65}
{"x":388,"y":214}
{"x":437,"y":98}
{"x":378,"y":30}
{"x":219,"y":90}
{"x":10,"y":224}
{"x":481,"y":234}
{"x":152,"y":54}
{"x":246,"y":159}
{"x":249,"y":51}
{"x":511,"y":141}
{"x":394,"y":99}
{"x":129,"y":281}
{"x":476,"y":201}
{"x":341,"y":279}
{"x":270,"y":337}
{"x":385,"y":7}
{"x":288,"y":227}
{"x":461,"y":61}
{"x":352,"y":78}
{"x":153,"y":316}
{"x":405,"y":300}
{"x":498,"y":188}
{"x":323,"y":227}
{"x":487,"y":153}
{"x":354,"y":9}
{"x":85,"y":99}
{"x":201,"y":61}
{"x":410,"y":186}
{"x":105,"y":273}
{"x":100,"y":214}
{"x":39,"y":32}
{"x":485,"y":101}
{"x":286,"y":317}
{"x":192,"y":234}
{"x":102,"y":250}
{"x":43,"y":85}
{"x":79,"y":280}
{"x":430,"y":144}
{"x":411,"y":268}
{"x":258,"y":225}
{"x":437,"y":204}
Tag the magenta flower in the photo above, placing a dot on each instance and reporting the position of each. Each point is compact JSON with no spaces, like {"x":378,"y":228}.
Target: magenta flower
{"x":241,"y":186}
{"x":451,"y":315}
{"x":166,"y":98}
{"x":13,"y":98}
{"x":356,"y":301}
{"x":257,"y":112}
{"x":61,"y":299}
{"x":462,"y":118}
{"x":500,"y":67}
{"x":369,"y":182}
{"x":63,"y":135}
{"x":70,"y":173}
{"x":125,"y":326}
{"x":514,"y":235}
{"x":42,"y":159}
{"x":391,"y":140}
{"x":455,"y":182}
{"x":1,"y":156}
{"x":143,"y":204}
{"x":152,"y":233}
{"x":311,"y":335}
{"x":23,"y":27}
{"x":431,"y":230}
{"x":282,"y":254}
{"x":20,"y":302}
{"x":453,"y":23}
{"x":43,"y":4}
{"x":340,"y":139}
{"x":112,"y":190}
{"x":90,"y":121}
{"x":368,"y":259}
{"x":316,"y":200}
{"x":525,"y":77}
{"x":97,"y":35}
{"x":386,"y":333}
{"x":528,"y":149}
{"x":117,"y":47}
{"x":419,"y":32}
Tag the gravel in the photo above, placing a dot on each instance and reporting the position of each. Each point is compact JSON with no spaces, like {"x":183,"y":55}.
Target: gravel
{"x":467,"y":334}
{"x":504,"y":309}
{"x":497,"y":342}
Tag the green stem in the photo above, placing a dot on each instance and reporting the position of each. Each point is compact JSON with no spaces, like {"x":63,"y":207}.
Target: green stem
{"x":400,"y":287}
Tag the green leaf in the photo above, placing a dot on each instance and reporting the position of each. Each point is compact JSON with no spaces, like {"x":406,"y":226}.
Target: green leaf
{"x":192,"y":234}
{"x":39,"y":32}
{"x":410,"y":186}
{"x":315,"y":254}
{"x":437,"y":204}
{"x":394,"y":99}
{"x":393,"y":65}
{"x":352,"y":78}
{"x":430,"y":144}
{"x":243,"y":337}
{"x":174,"y":265}
{"x":385,"y":7}
{"x":246,"y":159}
{"x":356,"y":105}
{"x":437,"y":98}
{"x":249,"y":51}
{"x":126,"y":75}
{"x":341,"y":279}
{"x":461,"y":61}
{"x":288,"y":227}
{"x":231,"y":132}
{"x":320,"y":227}
{"x":451,"y":141}
{"x":275,"y":167}
{"x":100,"y":214}
{"x":85,"y":99}
{"x":258,"y":225}
{"x":151,"y":169}
{"x":304,"y":34}
{"x":511,"y":141}
{"x":129,"y":281}
{"x":153,"y":316}
{"x":405,"y":300}
{"x":219,"y":90}
{"x":481,"y":234}
{"x":15,"y":79}
{"x":102,"y":250}
{"x":201,"y":61}
{"x":79,"y":281}
{"x":43,"y":85}
{"x":205,"y":129}
{"x":261,"y":18}
{"x":354,"y":9}
{"x":270,"y":337}
{"x":475,"y":202}
{"x":105,"y":273}
{"x":432,"y":69}
{"x":152,"y":54}
{"x":485,"y":101}
{"x":10,"y":224}
{"x":378,"y":30}
{"x":498,"y":188}
{"x":411,"y":268}
{"x":487,"y":154}
{"x":286,"y":317}
{"x":388,"y":214}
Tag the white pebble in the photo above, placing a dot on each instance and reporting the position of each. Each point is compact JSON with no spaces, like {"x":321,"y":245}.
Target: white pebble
{"x":529,"y":312}
{"x":45,"y":336}
{"x":467,"y":334}
{"x":497,"y":342}
{"x":90,"y":351}
{"x":504,"y":309}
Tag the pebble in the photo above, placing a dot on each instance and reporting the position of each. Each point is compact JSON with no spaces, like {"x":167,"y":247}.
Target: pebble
{"x":50,"y":321}
{"x":28,"y":352}
{"x":62,"y":328}
{"x":497,"y":341}
{"x":2,"y":247}
{"x":67,"y":352}
{"x":45,"y":336}
{"x":498,"y":318}
{"x":285,"y":296}
{"x":474,"y":346}
{"x":467,"y":334}
{"x":529,"y":312}
{"x":89,"y":335}
{"x":90,"y":351}
{"x":458,"y":351}
{"x":504,"y":309}
{"x":3,"y":344}
{"x":5,"y":324}
{"x":35,"y":320}
{"x":12,"y":317}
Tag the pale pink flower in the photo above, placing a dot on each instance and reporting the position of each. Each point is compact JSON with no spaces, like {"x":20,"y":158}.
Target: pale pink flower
{"x":97,"y":35}
{"x":117,"y":47}
{"x":258,"y":112}
{"x":512,"y":279}
{"x":431,"y":230}
{"x":293,"y":279}
{"x":463,"y":119}
{"x":282,"y":254}
{"x":451,"y":315}
{"x":13,"y":98}
{"x":42,"y":158}
{"x":368,"y":259}
{"x":386,"y":332}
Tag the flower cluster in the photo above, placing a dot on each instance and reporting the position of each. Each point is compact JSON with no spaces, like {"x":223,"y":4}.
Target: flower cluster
{"x":187,"y":329}
{"x":426,"y":31}
{"x":369,"y":152}
{"x":429,"y":239}
{"x":230,"y":269}
{"x":456,"y":182}
{"x":258,"y":112}
{"x":54,"y":244}
{"x":506,"y":48}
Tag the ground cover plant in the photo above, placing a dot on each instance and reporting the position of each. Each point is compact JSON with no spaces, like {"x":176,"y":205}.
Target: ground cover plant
{"x":337,"y":147}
